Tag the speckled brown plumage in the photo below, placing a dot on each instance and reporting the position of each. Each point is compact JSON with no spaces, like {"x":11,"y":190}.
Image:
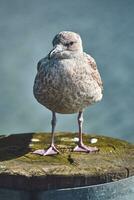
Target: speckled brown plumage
{"x":68,"y":85}
{"x":67,"y":79}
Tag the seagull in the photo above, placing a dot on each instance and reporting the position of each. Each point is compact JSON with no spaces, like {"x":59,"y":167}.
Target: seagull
{"x":67,"y":82}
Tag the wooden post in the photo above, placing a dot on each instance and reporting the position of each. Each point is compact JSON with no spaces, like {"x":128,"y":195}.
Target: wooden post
{"x":34,"y":176}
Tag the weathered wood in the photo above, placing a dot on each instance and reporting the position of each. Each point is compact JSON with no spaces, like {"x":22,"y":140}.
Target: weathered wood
{"x":20,"y":169}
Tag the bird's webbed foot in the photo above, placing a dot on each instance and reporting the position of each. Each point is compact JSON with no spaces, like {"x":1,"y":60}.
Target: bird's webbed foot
{"x":52,"y":150}
{"x":84,"y":148}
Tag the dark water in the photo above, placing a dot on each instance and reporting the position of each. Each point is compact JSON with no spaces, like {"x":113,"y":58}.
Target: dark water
{"x":26,"y":31}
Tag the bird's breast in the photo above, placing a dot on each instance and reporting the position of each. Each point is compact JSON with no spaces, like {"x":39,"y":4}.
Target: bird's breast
{"x":66,"y":86}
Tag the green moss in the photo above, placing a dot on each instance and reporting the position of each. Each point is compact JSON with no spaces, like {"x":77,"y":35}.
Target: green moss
{"x":16,"y":150}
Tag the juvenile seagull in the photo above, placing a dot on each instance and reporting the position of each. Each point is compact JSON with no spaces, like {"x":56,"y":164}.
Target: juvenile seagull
{"x":67,"y":81}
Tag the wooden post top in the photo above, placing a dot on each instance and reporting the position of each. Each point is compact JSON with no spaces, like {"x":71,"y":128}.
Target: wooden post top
{"x":20,"y":169}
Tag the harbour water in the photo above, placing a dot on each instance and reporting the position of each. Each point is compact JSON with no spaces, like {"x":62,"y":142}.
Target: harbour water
{"x":27,"y":29}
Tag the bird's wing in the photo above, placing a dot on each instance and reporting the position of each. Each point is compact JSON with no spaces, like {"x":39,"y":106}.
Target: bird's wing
{"x":94,"y":70}
{"x":39,"y":82}
{"x":42,"y":63}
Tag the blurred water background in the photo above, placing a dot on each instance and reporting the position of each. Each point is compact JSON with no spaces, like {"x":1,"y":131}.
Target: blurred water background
{"x":26,"y":31}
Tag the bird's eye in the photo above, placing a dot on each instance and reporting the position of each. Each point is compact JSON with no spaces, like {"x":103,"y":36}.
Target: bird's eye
{"x":69,"y":44}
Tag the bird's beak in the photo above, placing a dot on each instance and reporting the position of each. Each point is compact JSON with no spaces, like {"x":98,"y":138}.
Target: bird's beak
{"x":57,"y":49}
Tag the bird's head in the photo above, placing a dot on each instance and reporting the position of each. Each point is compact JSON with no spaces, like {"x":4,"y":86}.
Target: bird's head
{"x":66,"y":44}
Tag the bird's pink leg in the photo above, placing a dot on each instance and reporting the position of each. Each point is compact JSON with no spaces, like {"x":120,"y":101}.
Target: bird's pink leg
{"x":52,"y":150}
{"x":81,"y":147}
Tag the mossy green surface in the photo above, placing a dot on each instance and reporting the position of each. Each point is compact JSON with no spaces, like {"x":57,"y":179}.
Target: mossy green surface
{"x":16,"y":155}
{"x":17,"y":150}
